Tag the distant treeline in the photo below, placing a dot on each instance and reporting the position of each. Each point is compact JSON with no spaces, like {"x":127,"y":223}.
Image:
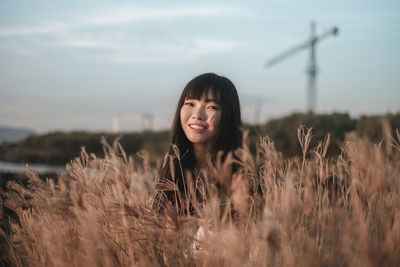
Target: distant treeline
{"x":283,"y":130}
{"x":60,"y":147}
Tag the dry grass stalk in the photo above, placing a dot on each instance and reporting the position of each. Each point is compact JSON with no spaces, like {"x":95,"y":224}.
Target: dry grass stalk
{"x":312,"y":211}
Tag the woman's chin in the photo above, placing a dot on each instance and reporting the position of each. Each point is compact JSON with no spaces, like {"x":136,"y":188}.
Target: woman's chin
{"x":198,"y":141}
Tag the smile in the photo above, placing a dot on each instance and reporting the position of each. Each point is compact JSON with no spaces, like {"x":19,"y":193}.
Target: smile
{"x":197,"y":126}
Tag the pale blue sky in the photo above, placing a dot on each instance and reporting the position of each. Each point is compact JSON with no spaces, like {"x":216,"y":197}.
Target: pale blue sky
{"x":78,"y":64}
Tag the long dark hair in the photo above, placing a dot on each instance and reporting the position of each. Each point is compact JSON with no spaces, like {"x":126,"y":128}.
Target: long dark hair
{"x":228,"y":138}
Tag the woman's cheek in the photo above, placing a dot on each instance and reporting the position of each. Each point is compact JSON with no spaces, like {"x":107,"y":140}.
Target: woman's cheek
{"x":184,"y":114}
{"x":214,"y":121}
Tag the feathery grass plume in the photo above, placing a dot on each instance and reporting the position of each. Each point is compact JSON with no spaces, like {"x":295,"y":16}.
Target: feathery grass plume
{"x":309,"y":211}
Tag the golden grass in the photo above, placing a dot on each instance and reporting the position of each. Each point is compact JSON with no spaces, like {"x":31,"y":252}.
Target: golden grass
{"x":312,"y":211}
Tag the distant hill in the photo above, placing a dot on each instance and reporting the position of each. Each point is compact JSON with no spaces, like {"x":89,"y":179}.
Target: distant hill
{"x":8,"y":134}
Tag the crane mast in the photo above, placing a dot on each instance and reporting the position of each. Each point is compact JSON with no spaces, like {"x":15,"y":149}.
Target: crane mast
{"x":312,"y":69}
{"x":312,"y":73}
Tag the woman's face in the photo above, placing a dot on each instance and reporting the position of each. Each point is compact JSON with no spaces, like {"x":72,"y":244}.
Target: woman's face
{"x":200,"y":119}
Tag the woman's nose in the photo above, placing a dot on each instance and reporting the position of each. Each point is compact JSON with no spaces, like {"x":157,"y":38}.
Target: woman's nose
{"x":198,"y":113}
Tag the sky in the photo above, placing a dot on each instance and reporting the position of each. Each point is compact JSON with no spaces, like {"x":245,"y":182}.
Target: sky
{"x":84,"y":65}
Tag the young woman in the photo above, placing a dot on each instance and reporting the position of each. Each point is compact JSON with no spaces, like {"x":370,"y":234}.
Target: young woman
{"x":205,"y":130}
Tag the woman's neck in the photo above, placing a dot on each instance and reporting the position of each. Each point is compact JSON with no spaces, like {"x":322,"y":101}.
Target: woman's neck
{"x":200,"y":153}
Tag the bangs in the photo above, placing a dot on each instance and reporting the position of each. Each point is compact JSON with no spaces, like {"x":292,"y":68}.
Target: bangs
{"x":199,"y":92}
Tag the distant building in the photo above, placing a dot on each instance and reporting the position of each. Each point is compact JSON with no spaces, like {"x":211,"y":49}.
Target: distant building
{"x":147,"y":122}
{"x":115,"y":124}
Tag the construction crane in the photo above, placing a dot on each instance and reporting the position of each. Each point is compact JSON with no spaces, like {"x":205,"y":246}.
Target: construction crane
{"x":312,"y":67}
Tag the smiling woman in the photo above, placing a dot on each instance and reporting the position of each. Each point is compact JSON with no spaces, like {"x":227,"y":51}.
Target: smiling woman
{"x":205,"y":130}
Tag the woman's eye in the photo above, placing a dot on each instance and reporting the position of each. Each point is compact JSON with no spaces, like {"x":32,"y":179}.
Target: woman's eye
{"x":213,"y":107}
{"x":189,"y":104}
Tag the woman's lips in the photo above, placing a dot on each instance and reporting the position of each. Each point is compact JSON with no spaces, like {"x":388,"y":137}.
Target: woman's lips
{"x":197,"y":127}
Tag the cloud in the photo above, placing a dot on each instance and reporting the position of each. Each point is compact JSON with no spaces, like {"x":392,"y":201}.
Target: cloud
{"x":26,"y":52}
{"x":48,"y":28}
{"x":84,"y":43}
{"x":118,"y":16}
{"x":178,"y":51}
{"x":131,"y":14}
{"x":135,"y":49}
{"x":202,"y":46}
{"x":121,"y":44}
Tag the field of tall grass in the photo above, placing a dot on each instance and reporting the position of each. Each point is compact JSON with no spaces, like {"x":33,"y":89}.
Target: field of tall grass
{"x":307,"y":211}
